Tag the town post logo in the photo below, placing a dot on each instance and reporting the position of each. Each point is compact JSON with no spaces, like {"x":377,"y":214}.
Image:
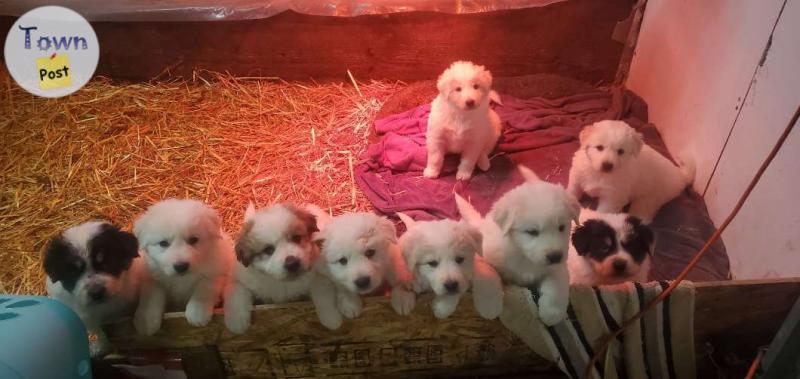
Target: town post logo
{"x":51,"y":51}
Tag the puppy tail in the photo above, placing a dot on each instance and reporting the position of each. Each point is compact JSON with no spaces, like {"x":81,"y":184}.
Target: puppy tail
{"x":495,"y":97}
{"x":319,"y":214}
{"x":688,"y":169}
{"x":468,"y":212}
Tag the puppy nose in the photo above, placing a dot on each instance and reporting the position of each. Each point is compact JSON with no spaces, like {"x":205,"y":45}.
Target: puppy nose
{"x":607,"y":166}
{"x":451,"y":286}
{"x":470,"y":103}
{"x":291,"y":264}
{"x":554,"y":257}
{"x":97,"y":292}
{"x":619,"y":265}
{"x":181,"y":267}
{"x":362,"y":282}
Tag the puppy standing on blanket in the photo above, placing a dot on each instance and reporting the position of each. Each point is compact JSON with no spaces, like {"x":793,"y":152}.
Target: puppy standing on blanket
{"x":444,"y":257}
{"x":275,"y":253}
{"x":94,"y":269}
{"x":614,"y":165}
{"x":188,"y":261}
{"x":526,"y":239}
{"x":359,"y":256}
{"x":609,"y":249}
{"x":461,"y":121}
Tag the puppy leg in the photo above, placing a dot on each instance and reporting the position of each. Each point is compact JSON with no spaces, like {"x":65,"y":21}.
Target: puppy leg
{"x":467,"y":165}
{"x":483,"y":162}
{"x":554,"y":298}
{"x":200,"y":307}
{"x":152,"y":300}
{"x":645,"y":209}
{"x":238,"y":308}
{"x":487,"y":290}
{"x":403,"y":300}
{"x":348,"y":303}
{"x":574,"y":186}
{"x":435,"y":160}
{"x":323,"y":295}
{"x":611,"y":202}
{"x":444,"y":306}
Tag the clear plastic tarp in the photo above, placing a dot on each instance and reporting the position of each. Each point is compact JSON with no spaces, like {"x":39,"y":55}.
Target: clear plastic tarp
{"x":207,"y":10}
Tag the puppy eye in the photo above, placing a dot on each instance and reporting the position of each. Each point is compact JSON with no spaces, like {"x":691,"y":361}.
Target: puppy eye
{"x":475,"y":86}
{"x":296,"y":238}
{"x":268,"y":250}
{"x":342,"y":261}
{"x":621,"y":151}
{"x":163,"y":243}
{"x":561,"y":228}
{"x":458,"y":89}
{"x":459,"y":260}
{"x":192,"y":240}
{"x":532,"y":232}
{"x":433,"y":263}
{"x":369,"y":253}
{"x":599,"y":147}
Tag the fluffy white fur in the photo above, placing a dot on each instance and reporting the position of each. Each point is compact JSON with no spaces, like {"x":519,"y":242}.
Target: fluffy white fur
{"x":121,"y":291}
{"x":359,"y":256}
{"x":275,"y":253}
{"x":172,"y":234}
{"x":461,"y":121}
{"x":586,"y":271}
{"x":526,"y":238}
{"x":614,"y":165}
{"x":444,"y":257}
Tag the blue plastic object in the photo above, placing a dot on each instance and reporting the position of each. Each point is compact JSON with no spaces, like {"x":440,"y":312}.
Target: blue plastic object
{"x":41,"y":338}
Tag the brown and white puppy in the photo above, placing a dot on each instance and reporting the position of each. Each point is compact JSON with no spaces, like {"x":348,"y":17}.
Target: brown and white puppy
{"x":275,"y":254}
{"x":94,"y":268}
{"x":444,"y":256}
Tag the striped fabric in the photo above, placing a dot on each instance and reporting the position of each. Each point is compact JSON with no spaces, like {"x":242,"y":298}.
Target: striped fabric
{"x":659,"y":346}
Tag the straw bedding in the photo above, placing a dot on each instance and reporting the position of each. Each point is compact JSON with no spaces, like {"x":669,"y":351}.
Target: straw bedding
{"x":111,"y":149}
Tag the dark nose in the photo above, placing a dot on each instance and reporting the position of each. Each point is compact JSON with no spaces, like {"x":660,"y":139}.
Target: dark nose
{"x":291,"y":264}
{"x":470,"y":103}
{"x":619,"y":266}
{"x":181,"y":267}
{"x":451,"y":286}
{"x":362,"y":282}
{"x":97,"y":292}
{"x":555,"y":257}
{"x":607,"y":166}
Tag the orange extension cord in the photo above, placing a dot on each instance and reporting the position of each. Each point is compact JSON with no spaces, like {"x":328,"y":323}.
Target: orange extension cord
{"x":664,"y":294}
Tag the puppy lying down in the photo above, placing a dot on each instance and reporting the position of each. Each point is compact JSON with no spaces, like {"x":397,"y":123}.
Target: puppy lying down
{"x":526,"y":239}
{"x":275,"y":254}
{"x":444,"y":257}
{"x":359,"y":256}
{"x":609,"y":248}
{"x":188,"y":260}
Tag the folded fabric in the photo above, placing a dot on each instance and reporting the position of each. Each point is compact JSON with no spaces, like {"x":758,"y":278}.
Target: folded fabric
{"x":658,"y":346}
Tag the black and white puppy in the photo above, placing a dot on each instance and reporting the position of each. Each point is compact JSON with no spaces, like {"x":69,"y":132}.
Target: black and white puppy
{"x":609,"y":248}
{"x":94,"y":269}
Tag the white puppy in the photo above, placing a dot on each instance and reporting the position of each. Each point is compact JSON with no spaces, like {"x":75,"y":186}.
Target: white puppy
{"x":614,"y":165}
{"x":461,"y":121}
{"x":444,"y":257}
{"x":359,"y":256}
{"x":275,"y":253}
{"x":609,"y":248}
{"x":526,"y":238}
{"x":188,"y":261}
{"x":94,"y":269}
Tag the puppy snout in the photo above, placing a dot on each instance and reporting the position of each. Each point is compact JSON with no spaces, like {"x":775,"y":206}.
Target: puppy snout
{"x":470,"y":103}
{"x":97,"y":292}
{"x":181,"y":267}
{"x":363,"y":282}
{"x":607,"y":166}
{"x":291,"y":264}
{"x":554,"y":257}
{"x":619,"y":266}
{"x":451,"y":286}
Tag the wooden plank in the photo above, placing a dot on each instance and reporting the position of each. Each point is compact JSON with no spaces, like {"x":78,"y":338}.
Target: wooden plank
{"x":570,"y":38}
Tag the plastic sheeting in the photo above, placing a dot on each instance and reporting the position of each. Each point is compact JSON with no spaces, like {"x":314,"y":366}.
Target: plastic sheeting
{"x":208,"y":10}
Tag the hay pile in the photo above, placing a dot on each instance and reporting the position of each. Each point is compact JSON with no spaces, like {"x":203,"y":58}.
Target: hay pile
{"x":112,"y":149}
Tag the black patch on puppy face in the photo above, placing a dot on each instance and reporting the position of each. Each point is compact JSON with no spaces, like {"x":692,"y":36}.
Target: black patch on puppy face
{"x":595,"y":239}
{"x":62,"y":263}
{"x":111,"y":251}
{"x":639,"y":240}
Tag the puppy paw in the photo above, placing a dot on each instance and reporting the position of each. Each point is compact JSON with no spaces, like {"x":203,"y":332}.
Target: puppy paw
{"x":551,"y":315}
{"x":443,"y":309}
{"x":349,"y":306}
{"x":430,"y":173}
{"x":198,"y":314}
{"x":330,"y":319}
{"x":484,"y":164}
{"x":463,"y":175}
{"x":237,"y":321}
{"x":488,"y":307}
{"x":403,"y":302}
{"x":147,"y":322}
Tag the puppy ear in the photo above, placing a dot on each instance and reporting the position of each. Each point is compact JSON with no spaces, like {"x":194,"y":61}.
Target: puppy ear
{"x":486,"y":76}
{"x":574,"y":207}
{"x":129,"y":243}
{"x":495,"y":97}
{"x":242,"y":247}
{"x":581,"y":239}
{"x":637,"y":142}
{"x":61,"y":263}
{"x":443,"y":83}
{"x":305,"y":217}
{"x":642,"y":231}
{"x":528,"y":174}
{"x":587,"y":130}
{"x":407,"y":220}
{"x":474,"y":236}
{"x":409,"y":247}
{"x":504,"y":218}
{"x":212,"y":221}
{"x":249,"y":212}
{"x":387,"y":229}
